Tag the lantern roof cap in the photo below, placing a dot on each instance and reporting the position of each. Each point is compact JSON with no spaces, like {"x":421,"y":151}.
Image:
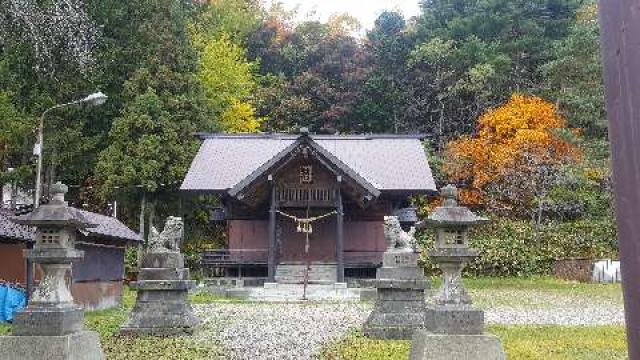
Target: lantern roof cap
{"x":56,"y":212}
{"x":450,"y":214}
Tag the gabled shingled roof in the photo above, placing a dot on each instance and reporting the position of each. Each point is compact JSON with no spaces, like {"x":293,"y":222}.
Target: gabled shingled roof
{"x":107,"y":228}
{"x":389,"y":163}
{"x":321,"y":153}
{"x":12,"y":232}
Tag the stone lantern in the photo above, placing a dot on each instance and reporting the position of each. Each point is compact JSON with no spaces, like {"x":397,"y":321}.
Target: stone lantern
{"x":52,"y":320}
{"x":218,"y":215}
{"x":408,"y":217}
{"x":452,"y":251}
{"x":454,"y":329}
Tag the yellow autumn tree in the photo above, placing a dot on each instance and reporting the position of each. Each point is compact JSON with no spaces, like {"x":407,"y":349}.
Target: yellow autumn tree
{"x":228,"y":80}
{"x":512,"y":159}
{"x":240,"y":117}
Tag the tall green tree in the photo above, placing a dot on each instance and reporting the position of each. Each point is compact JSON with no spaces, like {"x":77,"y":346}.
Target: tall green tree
{"x":15,"y":143}
{"x":151,"y":142}
{"x":233,"y":19}
{"x":48,"y":52}
{"x":495,"y":48}
{"x":385,"y":96}
{"x":574,"y":75}
{"x":323,"y":71}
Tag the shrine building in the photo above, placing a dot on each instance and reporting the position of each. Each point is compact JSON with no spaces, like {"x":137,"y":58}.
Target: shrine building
{"x":292,"y":202}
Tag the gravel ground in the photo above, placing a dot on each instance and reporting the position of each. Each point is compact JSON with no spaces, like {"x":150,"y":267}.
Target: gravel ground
{"x":589,"y":315}
{"x":511,"y":307}
{"x":262,"y":331}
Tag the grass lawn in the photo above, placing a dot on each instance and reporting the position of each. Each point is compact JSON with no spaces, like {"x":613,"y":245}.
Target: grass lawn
{"x":519,"y":342}
{"x":107,"y":323}
{"x":527,"y":342}
{"x":542,"y":283}
{"x":538,"y":292}
{"x":4,"y":329}
{"x":115,"y":347}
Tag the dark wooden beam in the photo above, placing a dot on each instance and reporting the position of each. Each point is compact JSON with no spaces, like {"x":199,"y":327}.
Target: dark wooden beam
{"x":272,"y":233}
{"x":620,"y":40}
{"x":29,"y":274}
{"x":340,"y":233}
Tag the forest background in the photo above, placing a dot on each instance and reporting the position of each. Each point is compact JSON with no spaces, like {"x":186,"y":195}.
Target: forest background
{"x":509,"y":94}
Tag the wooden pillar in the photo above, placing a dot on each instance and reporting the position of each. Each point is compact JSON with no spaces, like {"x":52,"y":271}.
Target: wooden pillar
{"x":29,"y":274}
{"x":620,"y":41}
{"x":272,"y":234}
{"x":340,"y":234}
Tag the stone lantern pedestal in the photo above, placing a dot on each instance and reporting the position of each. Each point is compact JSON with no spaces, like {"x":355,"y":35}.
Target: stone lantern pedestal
{"x":400,"y":284}
{"x":454,"y":329}
{"x":162,"y":307}
{"x":51,"y":326}
{"x":452,"y":311}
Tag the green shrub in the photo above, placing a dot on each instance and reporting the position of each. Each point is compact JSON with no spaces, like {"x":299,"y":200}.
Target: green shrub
{"x":506,"y":248}
{"x":517,"y":248}
{"x":131,"y":258}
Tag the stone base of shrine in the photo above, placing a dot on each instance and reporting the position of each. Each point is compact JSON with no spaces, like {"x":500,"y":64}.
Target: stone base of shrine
{"x":429,"y":346}
{"x":83,"y":345}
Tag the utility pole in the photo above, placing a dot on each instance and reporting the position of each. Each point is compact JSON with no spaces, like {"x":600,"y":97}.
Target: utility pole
{"x":620,"y":41}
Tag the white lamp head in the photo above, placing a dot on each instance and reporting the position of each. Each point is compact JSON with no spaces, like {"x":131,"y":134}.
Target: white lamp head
{"x":97,"y":98}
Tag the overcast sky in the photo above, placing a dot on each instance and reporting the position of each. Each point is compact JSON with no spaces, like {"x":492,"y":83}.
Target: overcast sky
{"x":366,"y":11}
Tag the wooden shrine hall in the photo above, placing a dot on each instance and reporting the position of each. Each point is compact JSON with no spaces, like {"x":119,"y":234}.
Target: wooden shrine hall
{"x":306,"y":205}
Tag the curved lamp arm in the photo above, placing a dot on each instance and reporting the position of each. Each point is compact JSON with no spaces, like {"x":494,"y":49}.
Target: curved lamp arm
{"x":95,"y":99}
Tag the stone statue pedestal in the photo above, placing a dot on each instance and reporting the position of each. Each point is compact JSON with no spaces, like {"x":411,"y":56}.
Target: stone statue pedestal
{"x":399,"y":308}
{"x":162,"y":307}
{"x":429,"y":346}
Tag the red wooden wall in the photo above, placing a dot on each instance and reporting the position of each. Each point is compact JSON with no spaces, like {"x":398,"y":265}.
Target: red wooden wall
{"x":12,"y":263}
{"x":365,"y":237}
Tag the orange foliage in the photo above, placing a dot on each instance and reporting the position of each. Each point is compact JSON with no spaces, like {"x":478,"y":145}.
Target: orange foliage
{"x":519,"y":135}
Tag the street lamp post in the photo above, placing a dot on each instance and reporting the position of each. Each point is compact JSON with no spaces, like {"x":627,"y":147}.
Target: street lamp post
{"x":95,"y":99}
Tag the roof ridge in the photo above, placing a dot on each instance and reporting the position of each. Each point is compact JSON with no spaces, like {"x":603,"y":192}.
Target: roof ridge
{"x":284,"y":136}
